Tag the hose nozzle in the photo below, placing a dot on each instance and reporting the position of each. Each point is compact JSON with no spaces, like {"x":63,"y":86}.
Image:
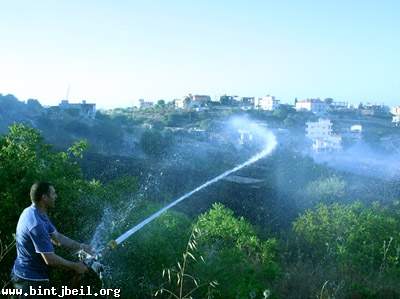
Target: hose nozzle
{"x":91,"y":261}
{"x":112,"y":244}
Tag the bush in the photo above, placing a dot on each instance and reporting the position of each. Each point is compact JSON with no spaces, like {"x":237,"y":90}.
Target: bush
{"x":327,"y":190}
{"x":358,"y":238}
{"x":244,"y":265}
{"x":154,"y":143}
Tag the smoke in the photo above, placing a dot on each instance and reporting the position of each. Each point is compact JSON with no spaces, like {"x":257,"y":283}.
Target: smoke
{"x":362,"y":160}
{"x":254,"y":135}
{"x":269,"y":142}
{"x":240,"y":138}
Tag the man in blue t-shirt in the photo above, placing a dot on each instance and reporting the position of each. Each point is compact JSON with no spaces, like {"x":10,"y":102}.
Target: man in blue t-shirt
{"x":35,"y":237}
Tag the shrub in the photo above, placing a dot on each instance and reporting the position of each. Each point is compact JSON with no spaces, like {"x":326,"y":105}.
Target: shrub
{"x":359,"y":238}
{"x":244,"y":265}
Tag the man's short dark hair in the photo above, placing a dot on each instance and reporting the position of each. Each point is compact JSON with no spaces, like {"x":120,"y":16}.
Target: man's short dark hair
{"x":39,"y":189}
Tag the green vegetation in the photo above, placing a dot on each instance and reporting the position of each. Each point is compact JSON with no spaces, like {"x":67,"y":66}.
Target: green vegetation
{"x":138,"y":264}
{"x":326,"y":189}
{"x":154,"y":143}
{"x":297,"y":233}
{"x":180,"y":284}
{"x":25,"y":158}
{"x":362,"y":243}
{"x":230,"y":246}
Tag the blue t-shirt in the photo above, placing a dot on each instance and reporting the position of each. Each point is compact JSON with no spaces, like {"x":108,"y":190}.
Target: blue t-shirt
{"x":32,"y":238}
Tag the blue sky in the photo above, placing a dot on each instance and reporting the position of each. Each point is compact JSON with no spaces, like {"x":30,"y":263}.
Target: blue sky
{"x":115,"y":52}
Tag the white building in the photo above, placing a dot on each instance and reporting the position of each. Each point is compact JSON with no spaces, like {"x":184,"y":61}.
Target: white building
{"x":356,"y":129}
{"x":192,"y":102}
{"x":322,"y":136}
{"x":180,"y":103}
{"x":313,"y":105}
{"x":144,"y":105}
{"x":200,"y":98}
{"x":354,"y":133}
{"x":396,"y":115}
{"x":82,"y":109}
{"x":266,"y":103}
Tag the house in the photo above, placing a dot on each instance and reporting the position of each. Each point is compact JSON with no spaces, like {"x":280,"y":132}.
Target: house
{"x":322,"y":136}
{"x":373,"y":109}
{"x":80,"y":109}
{"x":180,"y":103}
{"x":246,"y":103}
{"x":396,"y":116}
{"x":203,"y":99}
{"x":314,"y":105}
{"x":247,"y":100}
{"x":338,"y":106}
{"x":192,"y":102}
{"x":268,"y":103}
{"x":144,"y":105}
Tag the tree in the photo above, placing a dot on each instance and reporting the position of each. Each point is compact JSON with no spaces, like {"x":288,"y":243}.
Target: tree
{"x":151,"y":142}
{"x":24,"y":159}
{"x":228,"y":100}
{"x":177,"y":119}
{"x":34,"y":104}
{"x":160,"y":104}
{"x":10,"y":102}
{"x":283,"y":111}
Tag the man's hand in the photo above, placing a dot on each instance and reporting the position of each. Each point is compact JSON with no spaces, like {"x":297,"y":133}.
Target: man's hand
{"x":52,"y":259}
{"x":80,"y":268}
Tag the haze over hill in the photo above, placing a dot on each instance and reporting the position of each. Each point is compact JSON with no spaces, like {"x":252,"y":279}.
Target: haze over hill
{"x":129,"y":163}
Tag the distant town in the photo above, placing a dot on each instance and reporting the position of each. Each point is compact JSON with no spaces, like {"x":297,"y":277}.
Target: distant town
{"x":266,"y":103}
{"x":320,"y":132}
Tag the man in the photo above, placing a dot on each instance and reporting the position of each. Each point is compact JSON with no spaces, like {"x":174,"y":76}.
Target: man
{"x":35,"y":237}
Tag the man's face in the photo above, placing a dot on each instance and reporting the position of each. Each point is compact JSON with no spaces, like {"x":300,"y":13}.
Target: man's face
{"x":51,"y":197}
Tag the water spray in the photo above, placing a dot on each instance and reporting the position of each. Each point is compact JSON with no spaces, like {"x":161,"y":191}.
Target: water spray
{"x":92,"y":260}
{"x":266,"y":151}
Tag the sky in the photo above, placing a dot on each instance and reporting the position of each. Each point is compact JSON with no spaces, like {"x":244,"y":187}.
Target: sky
{"x":113,"y":53}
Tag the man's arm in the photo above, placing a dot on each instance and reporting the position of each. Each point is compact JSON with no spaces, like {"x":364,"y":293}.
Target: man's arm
{"x":52,"y":259}
{"x":62,"y":240}
{"x":42,"y":243}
